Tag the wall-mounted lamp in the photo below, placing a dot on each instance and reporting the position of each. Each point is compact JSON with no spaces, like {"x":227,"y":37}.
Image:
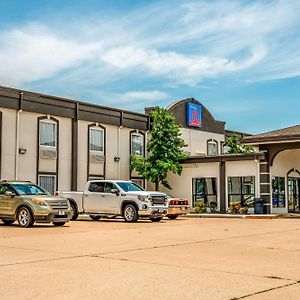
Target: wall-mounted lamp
{"x":116,"y":159}
{"x":22,"y":150}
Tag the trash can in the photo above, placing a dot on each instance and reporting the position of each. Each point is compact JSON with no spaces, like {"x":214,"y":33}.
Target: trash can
{"x":258,"y":206}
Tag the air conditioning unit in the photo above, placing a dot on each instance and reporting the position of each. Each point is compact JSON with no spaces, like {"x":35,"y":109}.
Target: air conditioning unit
{"x":97,"y":157}
{"x":200,"y":154}
{"x":48,"y":153}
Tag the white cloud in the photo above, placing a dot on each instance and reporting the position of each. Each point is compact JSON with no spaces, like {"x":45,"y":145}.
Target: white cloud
{"x":173,"y":44}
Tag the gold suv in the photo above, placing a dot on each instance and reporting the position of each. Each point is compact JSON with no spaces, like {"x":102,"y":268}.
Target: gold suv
{"x":28,"y":203}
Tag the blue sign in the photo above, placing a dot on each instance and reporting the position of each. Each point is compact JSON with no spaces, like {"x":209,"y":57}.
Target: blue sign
{"x":193,"y":115}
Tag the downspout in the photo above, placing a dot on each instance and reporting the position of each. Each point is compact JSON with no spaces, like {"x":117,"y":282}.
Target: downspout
{"x":18,"y":137}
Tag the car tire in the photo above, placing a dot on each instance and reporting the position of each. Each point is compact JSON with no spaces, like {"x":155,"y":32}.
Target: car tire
{"x":95,"y":218}
{"x":158,"y":219}
{"x":59,"y":223}
{"x":7,"y":221}
{"x":130,"y":213}
{"x":74,"y":211}
{"x":25,"y":217}
{"x":172,"y":217}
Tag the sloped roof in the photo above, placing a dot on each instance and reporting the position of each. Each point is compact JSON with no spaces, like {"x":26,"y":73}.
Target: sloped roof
{"x":285,"y":134}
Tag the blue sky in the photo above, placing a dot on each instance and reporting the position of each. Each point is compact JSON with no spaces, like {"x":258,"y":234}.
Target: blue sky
{"x":241,"y":59}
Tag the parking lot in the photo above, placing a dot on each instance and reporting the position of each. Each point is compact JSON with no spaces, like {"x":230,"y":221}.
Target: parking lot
{"x":181,"y":259}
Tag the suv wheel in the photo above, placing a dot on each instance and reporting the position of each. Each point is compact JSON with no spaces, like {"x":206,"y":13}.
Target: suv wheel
{"x":24,"y":217}
{"x":95,"y":218}
{"x":130,"y":213}
{"x":172,"y":217}
{"x":74,"y":211}
{"x":156,"y":219}
{"x":7,"y":221}
{"x":59,"y":223}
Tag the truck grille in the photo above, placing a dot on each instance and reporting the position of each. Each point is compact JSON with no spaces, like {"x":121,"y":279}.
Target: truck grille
{"x":158,"y":200}
{"x":59,"y":204}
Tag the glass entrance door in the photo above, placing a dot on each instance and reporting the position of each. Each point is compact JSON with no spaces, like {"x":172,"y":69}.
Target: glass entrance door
{"x":293,"y":194}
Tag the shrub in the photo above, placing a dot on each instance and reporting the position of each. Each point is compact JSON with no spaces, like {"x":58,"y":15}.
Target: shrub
{"x":200,"y":207}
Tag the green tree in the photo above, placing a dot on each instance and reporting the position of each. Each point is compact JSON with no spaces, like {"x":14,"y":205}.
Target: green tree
{"x":235,"y":146}
{"x":164,"y":150}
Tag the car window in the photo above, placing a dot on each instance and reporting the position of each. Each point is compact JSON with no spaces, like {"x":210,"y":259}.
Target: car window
{"x":97,"y":187}
{"x":129,"y":186}
{"x":3,"y":189}
{"x":28,"y":189}
{"x":108,"y":187}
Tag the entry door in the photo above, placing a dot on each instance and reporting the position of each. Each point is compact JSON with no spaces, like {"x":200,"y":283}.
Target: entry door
{"x":293,"y":194}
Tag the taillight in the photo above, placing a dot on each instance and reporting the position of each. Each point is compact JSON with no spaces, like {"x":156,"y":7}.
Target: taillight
{"x":186,"y":202}
{"x":172,"y":202}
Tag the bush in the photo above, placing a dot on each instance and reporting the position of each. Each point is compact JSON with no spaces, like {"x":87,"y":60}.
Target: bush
{"x":213,"y":207}
{"x":200,"y":207}
{"x":235,"y":207}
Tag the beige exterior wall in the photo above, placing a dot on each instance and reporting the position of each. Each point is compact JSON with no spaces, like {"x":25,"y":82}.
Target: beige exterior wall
{"x":282,"y":164}
{"x":196,"y":140}
{"x":9,"y":117}
{"x":182,"y":185}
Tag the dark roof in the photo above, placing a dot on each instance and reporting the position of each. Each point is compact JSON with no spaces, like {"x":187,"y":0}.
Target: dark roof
{"x":285,"y":134}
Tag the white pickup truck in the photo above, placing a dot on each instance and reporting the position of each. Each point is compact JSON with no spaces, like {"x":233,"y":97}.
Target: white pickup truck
{"x":112,"y":198}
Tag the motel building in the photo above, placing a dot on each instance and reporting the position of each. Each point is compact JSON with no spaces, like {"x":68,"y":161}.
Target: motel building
{"x":60,"y":143}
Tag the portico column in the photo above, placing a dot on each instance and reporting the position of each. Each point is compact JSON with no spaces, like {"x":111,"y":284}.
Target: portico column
{"x":265,"y":185}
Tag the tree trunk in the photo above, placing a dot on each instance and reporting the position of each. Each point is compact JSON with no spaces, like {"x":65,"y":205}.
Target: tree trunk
{"x":156,"y":184}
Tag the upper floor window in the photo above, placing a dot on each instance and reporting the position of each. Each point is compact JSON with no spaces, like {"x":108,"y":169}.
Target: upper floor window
{"x":137,"y":144}
{"x":48,"y":133}
{"x":225,"y":148}
{"x":96,"y":139}
{"x":212,"y":147}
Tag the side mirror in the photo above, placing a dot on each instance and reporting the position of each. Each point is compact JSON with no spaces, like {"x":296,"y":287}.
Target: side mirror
{"x":115,"y":191}
{"x":9,"y":194}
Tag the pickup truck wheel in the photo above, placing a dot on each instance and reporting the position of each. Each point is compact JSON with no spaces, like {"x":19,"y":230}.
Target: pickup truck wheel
{"x":74,"y":215}
{"x":95,"y":218}
{"x":25,"y":217}
{"x":156,"y":219}
{"x":130,"y":213}
{"x":59,"y":223}
{"x":172,"y":217}
{"x":7,"y":221}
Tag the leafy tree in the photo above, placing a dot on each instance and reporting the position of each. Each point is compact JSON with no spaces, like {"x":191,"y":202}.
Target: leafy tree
{"x":235,"y":146}
{"x":164,"y":150}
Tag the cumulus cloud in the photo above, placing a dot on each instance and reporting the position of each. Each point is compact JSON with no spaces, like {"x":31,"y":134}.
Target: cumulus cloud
{"x":181,"y":44}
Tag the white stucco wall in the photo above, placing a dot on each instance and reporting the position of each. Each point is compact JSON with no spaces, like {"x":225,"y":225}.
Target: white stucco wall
{"x":282,"y":164}
{"x":196,"y":140}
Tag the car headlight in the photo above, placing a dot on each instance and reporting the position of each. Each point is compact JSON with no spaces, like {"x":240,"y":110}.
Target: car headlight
{"x":41,"y":202}
{"x":143,"y":198}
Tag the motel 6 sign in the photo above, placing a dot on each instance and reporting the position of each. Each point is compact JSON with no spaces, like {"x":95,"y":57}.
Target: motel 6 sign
{"x":193,"y":115}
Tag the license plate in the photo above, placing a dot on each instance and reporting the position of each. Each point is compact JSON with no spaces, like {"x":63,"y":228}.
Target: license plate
{"x":61,"y":213}
{"x":182,"y":208}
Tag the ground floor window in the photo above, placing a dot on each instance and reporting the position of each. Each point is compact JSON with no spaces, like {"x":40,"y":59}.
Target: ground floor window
{"x":278,"y":191}
{"x":241,"y":190}
{"x":205,"y":190}
{"x":138,"y":181}
{"x":48,"y":183}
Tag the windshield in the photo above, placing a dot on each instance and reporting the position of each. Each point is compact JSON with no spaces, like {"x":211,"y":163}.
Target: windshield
{"x":28,"y":189}
{"x":129,"y":187}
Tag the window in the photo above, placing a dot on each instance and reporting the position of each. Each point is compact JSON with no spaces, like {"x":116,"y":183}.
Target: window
{"x":137,"y":144}
{"x":101,"y":187}
{"x":96,"y":139}
{"x":278,"y":192}
{"x":48,"y":183}
{"x":138,"y":181}
{"x":205,"y":190}
{"x":96,"y":187}
{"x":212,"y":147}
{"x":48,"y":133}
{"x":3,"y":189}
{"x":225,"y":149}
{"x":241,"y":189}
{"x":28,"y":189}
